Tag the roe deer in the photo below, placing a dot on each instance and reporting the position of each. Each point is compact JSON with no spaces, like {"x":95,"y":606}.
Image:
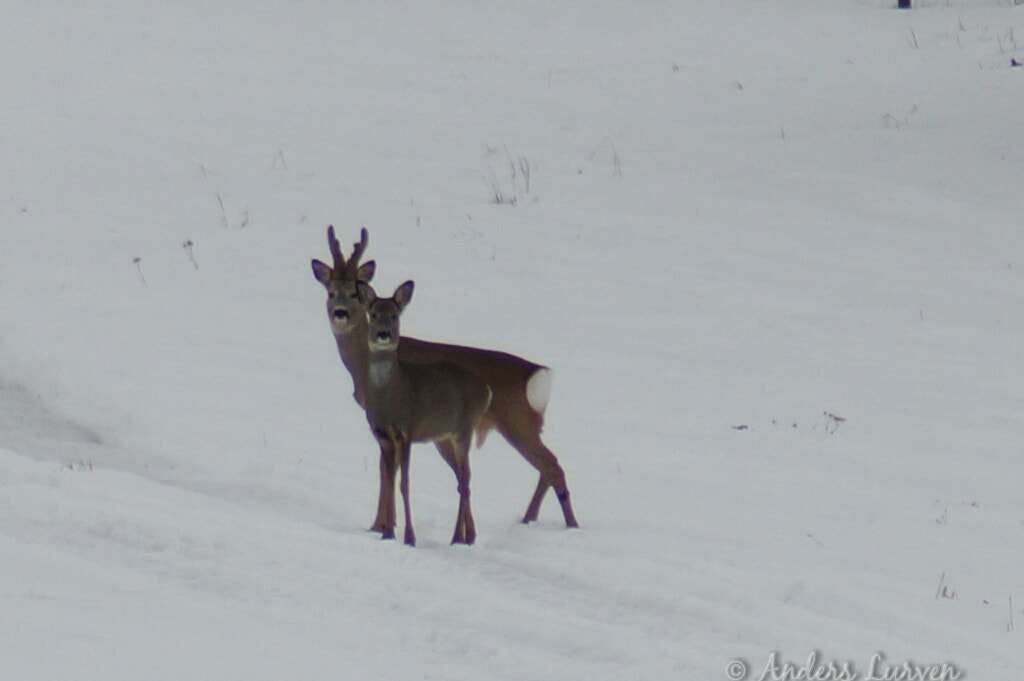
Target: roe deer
{"x":519,"y":388}
{"x":407,"y":402}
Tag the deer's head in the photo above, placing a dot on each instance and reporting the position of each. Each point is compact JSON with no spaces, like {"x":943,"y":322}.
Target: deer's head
{"x":344,"y":311}
{"x":383,"y":314}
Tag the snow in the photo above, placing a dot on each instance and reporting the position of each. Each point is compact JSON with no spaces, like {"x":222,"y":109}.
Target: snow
{"x":771,"y":250}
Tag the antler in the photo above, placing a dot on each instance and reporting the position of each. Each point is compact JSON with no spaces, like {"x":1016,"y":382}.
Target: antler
{"x":332,"y":242}
{"x":357,"y":253}
{"x":347,"y":269}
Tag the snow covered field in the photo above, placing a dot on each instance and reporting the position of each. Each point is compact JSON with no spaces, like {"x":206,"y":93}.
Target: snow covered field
{"x":773,"y":250}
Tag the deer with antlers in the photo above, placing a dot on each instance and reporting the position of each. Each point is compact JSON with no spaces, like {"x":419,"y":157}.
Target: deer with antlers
{"x":519,"y":388}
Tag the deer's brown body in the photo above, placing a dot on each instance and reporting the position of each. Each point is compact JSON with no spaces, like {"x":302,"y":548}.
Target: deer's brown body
{"x":518,"y":386}
{"x":408,"y":402}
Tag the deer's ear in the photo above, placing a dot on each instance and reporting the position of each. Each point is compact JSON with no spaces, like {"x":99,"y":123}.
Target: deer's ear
{"x":366,"y":271}
{"x":366,"y":293}
{"x":403,"y":294}
{"x":322,"y":272}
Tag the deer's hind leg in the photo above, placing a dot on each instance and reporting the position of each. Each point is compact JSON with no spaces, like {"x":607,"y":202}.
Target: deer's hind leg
{"x":455,"y":452}
{"x":523,"y":433}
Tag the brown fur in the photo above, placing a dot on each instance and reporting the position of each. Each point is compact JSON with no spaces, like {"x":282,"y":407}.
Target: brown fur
{"x":507,"y":375}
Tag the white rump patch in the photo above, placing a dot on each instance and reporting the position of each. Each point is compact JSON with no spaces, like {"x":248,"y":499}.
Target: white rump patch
{"x":538,"y":389}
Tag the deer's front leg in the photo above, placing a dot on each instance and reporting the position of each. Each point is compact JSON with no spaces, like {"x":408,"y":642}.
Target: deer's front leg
{"x":389,"y":460}
{"x":380,"y":523}
{"x":410,"y":536}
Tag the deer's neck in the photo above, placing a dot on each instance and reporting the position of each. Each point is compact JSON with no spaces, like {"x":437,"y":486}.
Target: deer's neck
{"x":382,"y":370}
{"x":356,"y":357}
{"x":386,"y":396}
